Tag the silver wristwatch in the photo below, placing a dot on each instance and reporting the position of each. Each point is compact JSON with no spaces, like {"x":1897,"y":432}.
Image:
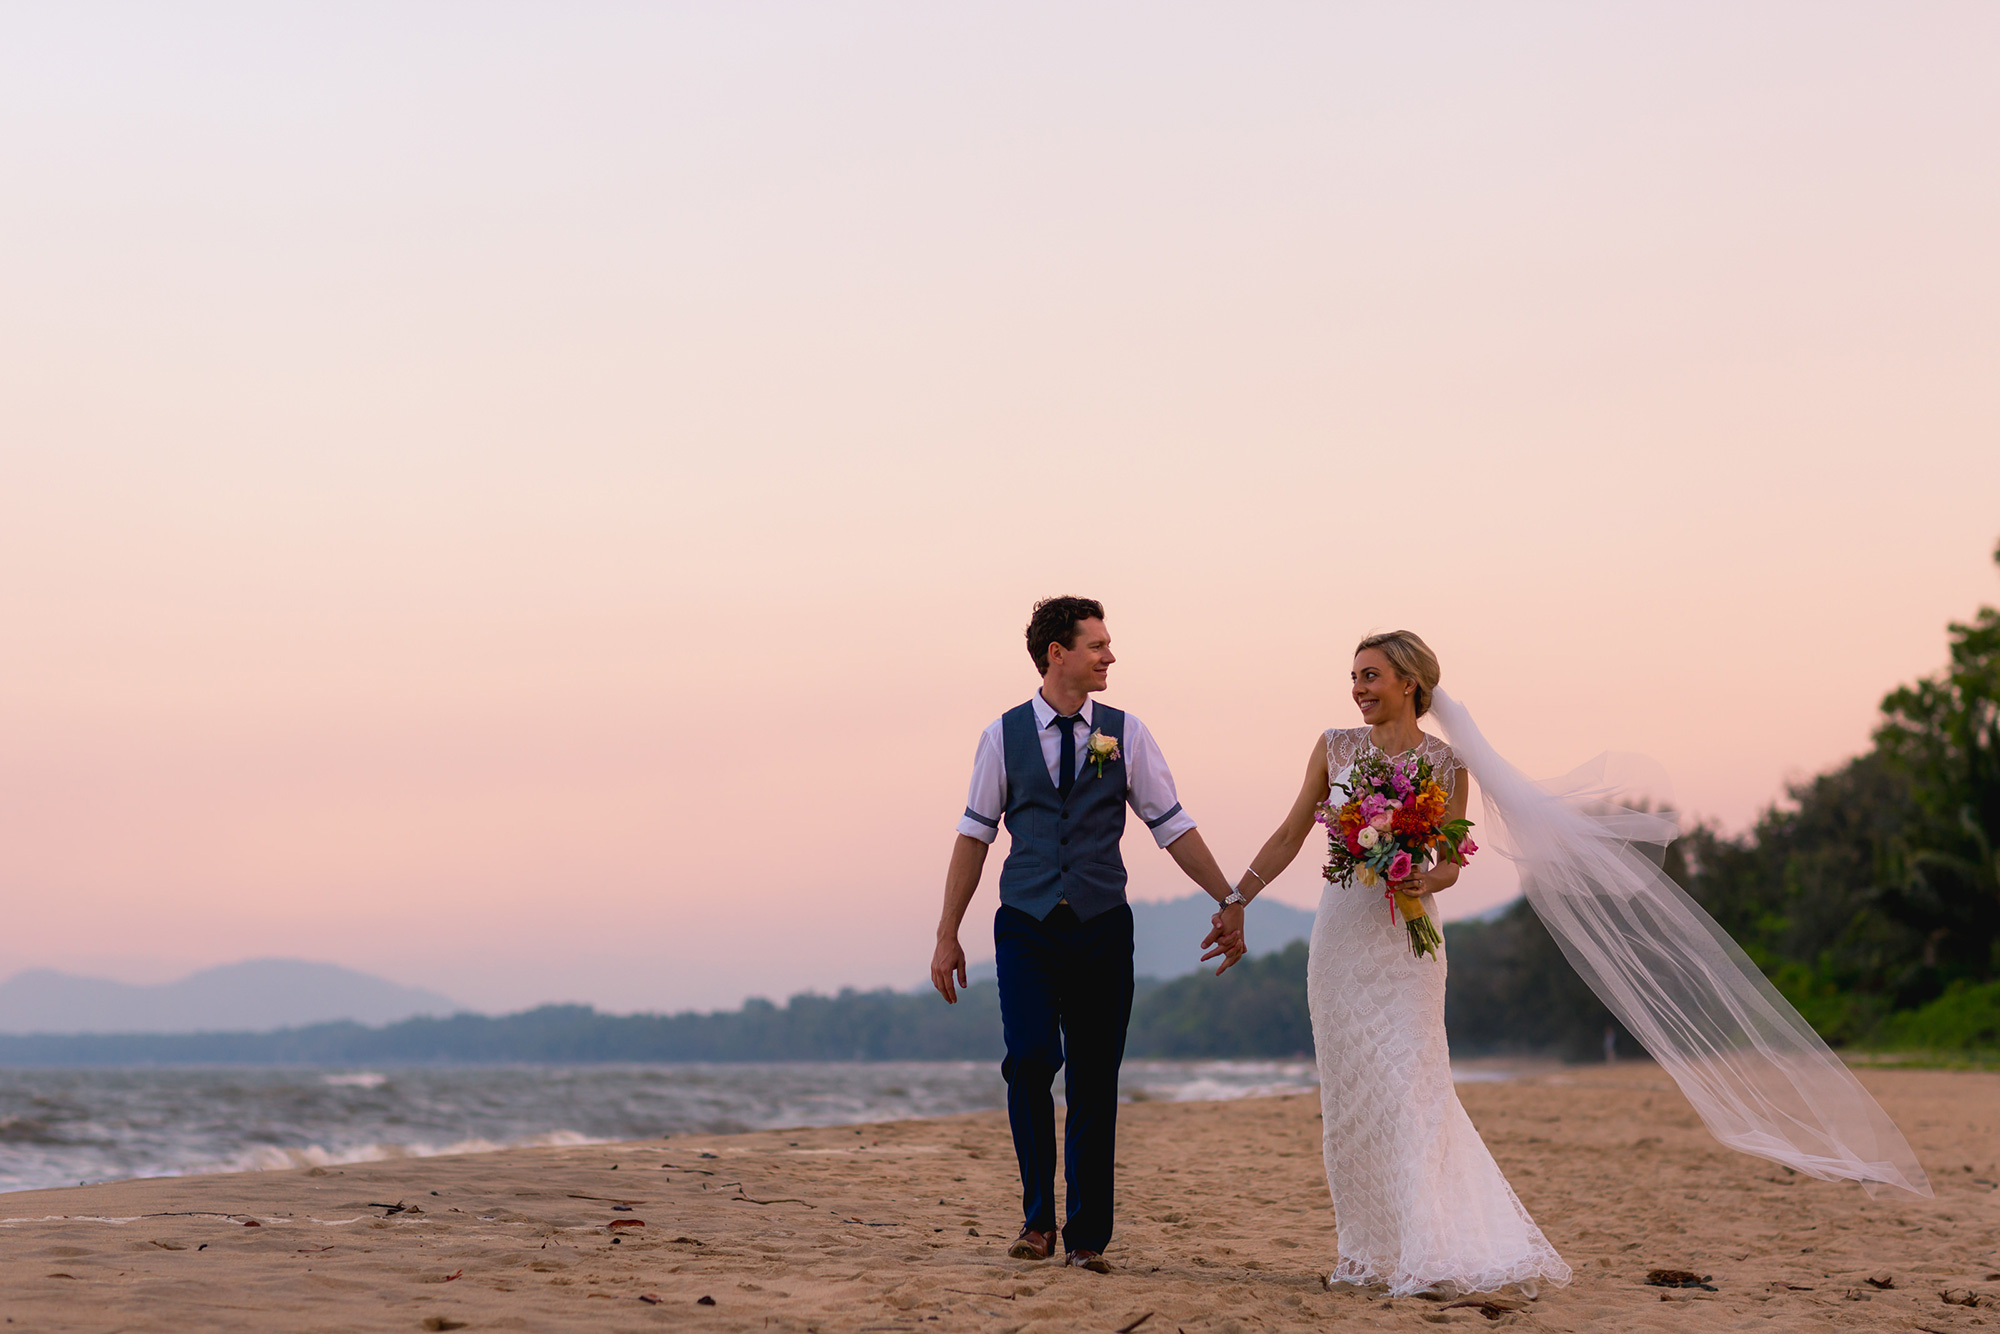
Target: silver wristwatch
{"x":1235,"y":896}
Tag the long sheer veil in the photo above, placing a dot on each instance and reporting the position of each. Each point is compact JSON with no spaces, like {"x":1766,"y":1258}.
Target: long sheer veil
{"x":1760,"y":1078}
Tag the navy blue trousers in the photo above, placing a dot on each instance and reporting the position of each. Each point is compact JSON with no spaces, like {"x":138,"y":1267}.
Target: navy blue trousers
{"x":1065,"y":1001}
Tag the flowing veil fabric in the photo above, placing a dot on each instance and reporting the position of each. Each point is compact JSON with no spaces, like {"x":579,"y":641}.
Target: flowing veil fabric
{"x":1759,"y":1077}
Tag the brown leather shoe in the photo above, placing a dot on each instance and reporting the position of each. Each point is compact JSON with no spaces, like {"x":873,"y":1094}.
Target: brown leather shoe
{"x":1091,"y":1260}
{"x":1032,"y":1245}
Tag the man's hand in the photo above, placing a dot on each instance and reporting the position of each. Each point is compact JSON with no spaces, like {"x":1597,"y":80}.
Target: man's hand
{"x":1224,"y":940}
{"x":968,"y":855}
{"x":947,"y":961}
{"x":1226,"y":936}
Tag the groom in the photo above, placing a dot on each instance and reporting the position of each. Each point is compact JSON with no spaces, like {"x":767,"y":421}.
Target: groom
{"x":1060,"y":771}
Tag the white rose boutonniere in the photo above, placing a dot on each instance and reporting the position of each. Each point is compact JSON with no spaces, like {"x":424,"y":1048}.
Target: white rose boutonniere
{"x":1100,"y":750}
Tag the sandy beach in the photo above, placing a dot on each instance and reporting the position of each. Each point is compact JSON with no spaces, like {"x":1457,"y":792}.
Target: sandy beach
{"x":1224,"y":1225}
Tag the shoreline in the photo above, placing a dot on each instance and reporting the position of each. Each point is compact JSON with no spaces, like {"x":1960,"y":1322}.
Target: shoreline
{"x":1223,"y":1224}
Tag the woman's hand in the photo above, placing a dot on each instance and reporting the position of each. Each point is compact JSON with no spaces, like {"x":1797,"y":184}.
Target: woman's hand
{"x":1225,"y":939}
{"x":1433,"y":880}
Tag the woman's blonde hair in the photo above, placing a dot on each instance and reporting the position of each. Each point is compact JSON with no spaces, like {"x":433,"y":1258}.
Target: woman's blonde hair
{"x":1412,"y":658}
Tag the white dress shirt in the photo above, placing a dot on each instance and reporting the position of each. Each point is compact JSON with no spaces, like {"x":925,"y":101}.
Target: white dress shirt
{"x":1149,"y":784}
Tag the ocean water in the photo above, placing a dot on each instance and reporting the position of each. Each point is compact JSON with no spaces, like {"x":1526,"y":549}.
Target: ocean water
{"x":68,"y":1126}
{"x":62,"y":1127}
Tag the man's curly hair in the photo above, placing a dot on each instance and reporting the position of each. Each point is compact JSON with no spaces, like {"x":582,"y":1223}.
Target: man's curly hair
{"x":1054,"y":621}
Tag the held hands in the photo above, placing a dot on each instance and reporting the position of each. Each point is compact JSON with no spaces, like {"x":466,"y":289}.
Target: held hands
{"x":947,"y":962}
{"x":1224,"y":940}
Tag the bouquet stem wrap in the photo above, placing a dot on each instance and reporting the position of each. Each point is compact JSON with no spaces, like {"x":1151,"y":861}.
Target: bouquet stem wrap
{"x":1424,"y":937}
{"x":1760,"y":1078}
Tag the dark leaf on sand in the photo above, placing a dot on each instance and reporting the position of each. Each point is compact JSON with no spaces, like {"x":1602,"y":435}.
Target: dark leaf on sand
{"x":1678,"y":1278}
{"x":442,"y":1322}
{"x":650,"y":1298}
{"x":1490,"y":1307}
{"x":251,"y":1222}
{"x":704,"y":1301}
{"x":1881,"y":1282}
{"x":1127,"y":1329}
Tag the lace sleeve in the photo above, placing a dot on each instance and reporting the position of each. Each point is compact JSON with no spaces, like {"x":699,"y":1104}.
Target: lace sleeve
{"x":1445,"y":763}
{"x":1343,"y":746}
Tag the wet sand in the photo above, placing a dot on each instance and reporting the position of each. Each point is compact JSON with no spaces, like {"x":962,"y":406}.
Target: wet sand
{"x":1224,"y":1226}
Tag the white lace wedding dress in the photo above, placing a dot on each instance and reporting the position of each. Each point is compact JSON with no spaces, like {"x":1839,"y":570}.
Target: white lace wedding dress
{"x":1418,"y":1201}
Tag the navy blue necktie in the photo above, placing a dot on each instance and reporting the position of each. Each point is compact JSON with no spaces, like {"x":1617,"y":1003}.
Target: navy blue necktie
{"x":1066,"y":765}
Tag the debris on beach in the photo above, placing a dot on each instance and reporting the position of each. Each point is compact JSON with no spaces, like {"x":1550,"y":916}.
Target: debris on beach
{"x":1490,"y":1305}
{"x":1679,"y":1278}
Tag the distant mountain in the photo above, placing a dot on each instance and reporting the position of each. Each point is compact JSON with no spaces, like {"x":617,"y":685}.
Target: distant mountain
{"x":1511,"y":991}
{"x":1166,"y":935}
{"x":251,"y":997}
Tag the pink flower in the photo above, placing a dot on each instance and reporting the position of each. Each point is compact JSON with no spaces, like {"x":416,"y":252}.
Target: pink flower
{"x":1374,"y":807}
{"x":1399,"y":866}
{"x":1381,"y":822}
{"x":1466,"y":847}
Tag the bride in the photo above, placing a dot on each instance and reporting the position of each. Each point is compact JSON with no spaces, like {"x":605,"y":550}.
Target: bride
{"x":1419,"y":1204}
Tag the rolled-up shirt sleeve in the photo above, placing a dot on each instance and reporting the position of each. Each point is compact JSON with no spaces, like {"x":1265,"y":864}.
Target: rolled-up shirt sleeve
{"x":1149,"y":785}
{"x":986,"y":800}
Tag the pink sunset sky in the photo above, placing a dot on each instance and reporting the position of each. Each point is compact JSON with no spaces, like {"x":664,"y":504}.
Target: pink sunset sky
{"x":538,"y":501}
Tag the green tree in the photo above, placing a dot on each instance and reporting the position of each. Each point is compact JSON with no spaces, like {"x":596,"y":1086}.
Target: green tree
{"x":1942,"y":735}
{"x":1257,"y":1008}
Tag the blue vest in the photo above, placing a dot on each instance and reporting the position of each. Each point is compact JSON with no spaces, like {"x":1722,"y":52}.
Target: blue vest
{"x":1062,"y":849}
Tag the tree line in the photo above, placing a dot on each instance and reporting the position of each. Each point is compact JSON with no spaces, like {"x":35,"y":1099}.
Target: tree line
{"x":1870,"y":898}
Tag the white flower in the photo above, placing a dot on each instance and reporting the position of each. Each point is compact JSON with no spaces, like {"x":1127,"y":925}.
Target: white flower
{"x":1368,"y":837}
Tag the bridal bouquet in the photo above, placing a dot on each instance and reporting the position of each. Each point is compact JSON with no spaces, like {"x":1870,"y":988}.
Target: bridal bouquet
{"x":1391,"y":826}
